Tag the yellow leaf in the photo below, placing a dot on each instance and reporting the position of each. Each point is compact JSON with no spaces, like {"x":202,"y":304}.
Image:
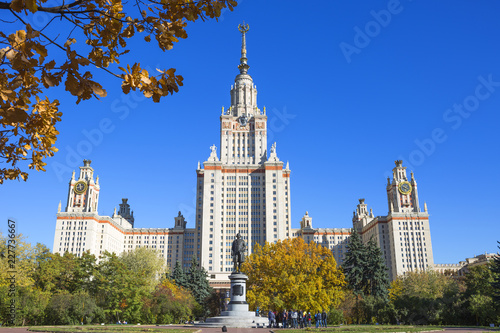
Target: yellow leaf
{"x":97,"y":89}
{"x":69,"y":42}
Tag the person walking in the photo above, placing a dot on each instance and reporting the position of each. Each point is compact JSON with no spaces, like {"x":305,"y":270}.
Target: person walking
{"x":285,"y":319}
{"x":317,"y":319}
{"x":323,"y":318}
{"x":271,"y":318}
{"x":294,"y":318}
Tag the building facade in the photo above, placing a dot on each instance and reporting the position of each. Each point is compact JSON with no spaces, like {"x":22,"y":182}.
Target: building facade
{"x":245,"y":189}
{"x":464,"y":266}
{"x":403,"y":234}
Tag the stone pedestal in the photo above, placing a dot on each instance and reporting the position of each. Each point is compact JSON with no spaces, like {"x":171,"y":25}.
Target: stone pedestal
{"x":237,"y":314}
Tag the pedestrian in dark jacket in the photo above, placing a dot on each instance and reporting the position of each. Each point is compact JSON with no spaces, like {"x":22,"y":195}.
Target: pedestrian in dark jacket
{"x":271,"y":318}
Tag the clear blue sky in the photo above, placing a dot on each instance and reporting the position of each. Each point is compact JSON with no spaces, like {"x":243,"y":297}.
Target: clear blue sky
{"x":344,"y":105}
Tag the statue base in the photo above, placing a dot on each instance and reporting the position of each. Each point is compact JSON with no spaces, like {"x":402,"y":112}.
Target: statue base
{"x":237,"y":314}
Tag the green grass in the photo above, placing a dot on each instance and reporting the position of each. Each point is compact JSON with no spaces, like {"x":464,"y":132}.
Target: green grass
{"x":367,"y":328}
{"x":496,"y":328}
{"x":108,"y":329}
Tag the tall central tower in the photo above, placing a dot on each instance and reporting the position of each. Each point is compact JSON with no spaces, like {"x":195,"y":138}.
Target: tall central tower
{"x":245,"y":190}
{"x":243,"y":137}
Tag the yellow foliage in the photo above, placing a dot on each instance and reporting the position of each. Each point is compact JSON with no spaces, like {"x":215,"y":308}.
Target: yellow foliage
{"x":177,"y":293}
{"x":396,"y":289}
{"x":17,"y":261}
{"x":28,"y":66}
{"x":292,"y":274}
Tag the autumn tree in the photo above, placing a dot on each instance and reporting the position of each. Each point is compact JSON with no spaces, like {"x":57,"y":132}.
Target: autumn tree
{"x":70,"y":289}
{"x":171,"y":303}
{"x":80,"y":38}
{"x":24,"y":257}
{"x":293,"y":274}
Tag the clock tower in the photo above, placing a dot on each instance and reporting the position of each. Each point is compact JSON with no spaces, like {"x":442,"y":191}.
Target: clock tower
{"x":402,"y":193}
{"x":83,"y":193}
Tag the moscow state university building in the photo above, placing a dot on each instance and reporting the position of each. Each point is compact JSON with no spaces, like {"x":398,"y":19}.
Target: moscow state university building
{"x":242,"y":188}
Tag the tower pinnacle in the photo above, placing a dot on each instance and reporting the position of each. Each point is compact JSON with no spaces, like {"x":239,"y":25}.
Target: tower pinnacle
{"x":243,"y":66}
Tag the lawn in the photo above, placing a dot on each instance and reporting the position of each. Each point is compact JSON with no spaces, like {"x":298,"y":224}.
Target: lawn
{"x":366,"y":328}
{"x":108,"y":329}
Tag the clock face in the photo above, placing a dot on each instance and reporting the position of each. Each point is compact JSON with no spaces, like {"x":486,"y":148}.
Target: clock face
{"x":80,"y":187}
{"x":404,"y":187}
{"x":243,"y":120}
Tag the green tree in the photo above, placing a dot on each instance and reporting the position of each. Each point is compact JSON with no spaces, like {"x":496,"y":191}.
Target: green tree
{"x":482,"y":307}
{"x":214,"y":303}
{"x":197,"y":282}
{"x":146,"y":265}
{"x":31,"y":62}
{"x":58,"y":309}
{"x":426,"y":298}
{"x":68,"y":272}
{"x":25,"y":255}
{"x":479,"y":280}
{"x":376,"y":277}
{"x":355,"y":264}
{"x":495,"y":268}
{"x":355,"y":270}
{"x":292,"y":274}
{"x":179,"y":276}
{"x":31,"y":306}
{"x":335,"y":317}
{"x":17,"y":253}
{"x":112,"y":286}
{"x":72,"y":309}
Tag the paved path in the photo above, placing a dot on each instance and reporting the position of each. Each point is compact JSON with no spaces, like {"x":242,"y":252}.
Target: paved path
{"x":259,"y":330}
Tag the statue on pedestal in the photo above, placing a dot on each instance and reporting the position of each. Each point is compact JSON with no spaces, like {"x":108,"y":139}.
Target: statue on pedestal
{"x":238,"y":251}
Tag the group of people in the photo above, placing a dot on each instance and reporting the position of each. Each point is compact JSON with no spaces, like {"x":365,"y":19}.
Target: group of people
{"x":296,"y":319}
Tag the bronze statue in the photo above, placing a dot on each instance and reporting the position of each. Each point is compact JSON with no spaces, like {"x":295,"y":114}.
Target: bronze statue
{"x":238,"y":252}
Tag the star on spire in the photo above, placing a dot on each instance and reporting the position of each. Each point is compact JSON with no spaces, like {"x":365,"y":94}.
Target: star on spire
{"x":243,"y":66}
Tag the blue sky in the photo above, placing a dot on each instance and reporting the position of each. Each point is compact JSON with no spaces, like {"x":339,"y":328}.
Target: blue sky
{"x":349,"y":87}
